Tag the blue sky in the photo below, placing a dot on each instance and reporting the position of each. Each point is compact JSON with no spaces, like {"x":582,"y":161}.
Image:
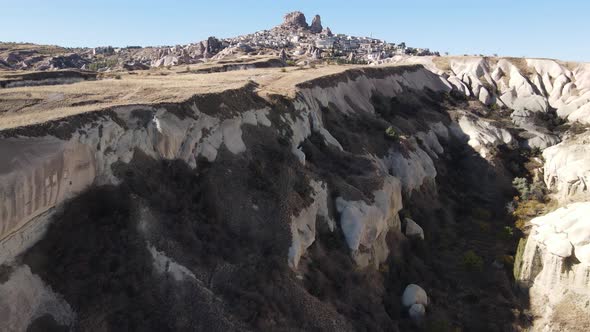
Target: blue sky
{"x":535,"y":28}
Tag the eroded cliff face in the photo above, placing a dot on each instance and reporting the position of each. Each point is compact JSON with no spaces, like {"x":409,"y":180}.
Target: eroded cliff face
{"x":239,"y":212}
{"x":550,"y":102}
{"x":567,"y":168}
{"x":556,"y":266}
{"x":533,"y":88}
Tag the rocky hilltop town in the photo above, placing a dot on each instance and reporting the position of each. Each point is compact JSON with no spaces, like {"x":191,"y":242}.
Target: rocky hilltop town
{"x":294,"y":40}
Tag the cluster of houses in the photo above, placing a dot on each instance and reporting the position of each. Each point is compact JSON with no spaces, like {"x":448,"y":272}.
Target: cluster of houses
{"x":298,"y":43}
{"x":294,"y":38}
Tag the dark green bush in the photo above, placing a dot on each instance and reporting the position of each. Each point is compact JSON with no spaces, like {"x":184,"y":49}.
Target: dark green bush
{"x":472,"y":261}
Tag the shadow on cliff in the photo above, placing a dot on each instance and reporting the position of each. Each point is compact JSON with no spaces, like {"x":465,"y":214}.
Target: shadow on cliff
{"x":465,"y":262}
{"x":227,"y":222}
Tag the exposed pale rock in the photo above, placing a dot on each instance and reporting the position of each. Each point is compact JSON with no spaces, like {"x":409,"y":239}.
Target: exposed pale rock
{"x":556,"y":268}
{"x":417,"y":312}
{"x":165,"y":264}
{"x":484,"y":96}
{"x":564,"y":230}
{"x":430,"y":143}
{"x":232,"y":136}
{"x":520,"y":84}
{"x":329,"y":139}
{"x":303,"y":225}
{"x":38,"y":173}
{"x":537,"y":135}
{"x":316,"y":54}
{"x":567,"y":167}
{"x":414,"y":294}
{"x":413,"y":229}
{"x":351,"y":57}
{"x":24,"y":297}
{"x":168,"y":60}
{"x":283,"y":55}
{"x":413,"y":168}
{"x":483,"y":134}
{"x":530,"y":103}
{"x":365,"y":226}
{"x":459,"y":85}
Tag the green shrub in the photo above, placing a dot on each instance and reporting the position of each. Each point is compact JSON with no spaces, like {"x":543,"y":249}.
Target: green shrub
{"x":472,"y":262}
{"x":520,"y":224}
{"x":483,"y":226}
{"x":404,"y":213}
{"x":482,"y":214}
{"x":391,"y":133}
{"x":507,"y":232}
{"x":438,"y":325}
{"x":523,"y":188}
{"x":105,"y":63}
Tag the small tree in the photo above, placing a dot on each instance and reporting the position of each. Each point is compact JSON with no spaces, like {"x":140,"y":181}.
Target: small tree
{"x":391,"y":133}
{"x":472,"y":261}
{"x":523,"y":188}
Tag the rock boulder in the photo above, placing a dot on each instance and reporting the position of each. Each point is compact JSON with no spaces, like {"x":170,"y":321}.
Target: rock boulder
{"x":417,"y":312}
{"x":413,"y":229}
{"x":414,"y":294}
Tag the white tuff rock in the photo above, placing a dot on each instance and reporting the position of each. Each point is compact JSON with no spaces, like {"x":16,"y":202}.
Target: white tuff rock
{"x":413,"y":229}
{"x":567,"y":167}
{"x":417,"y":312}
{"x":556,"y":267}
{"x":24,"y":297}
{"x":414,"y":294}
{"x":365,"y":226}
{"x":303,"y":225}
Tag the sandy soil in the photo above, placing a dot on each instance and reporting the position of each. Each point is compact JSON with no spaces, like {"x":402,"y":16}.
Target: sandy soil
{"x":37,"y":104}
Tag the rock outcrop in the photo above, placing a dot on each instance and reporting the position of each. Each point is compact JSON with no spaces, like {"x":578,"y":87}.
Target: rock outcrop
{"x":25,"y":298}
{"x":295,"y":20}
{"x":413,"y":229}
{"x":532,"y":88}
{"x":316,"y":25}
{"x":555,"y":267}
{"x":483,"y":134}
{"x":567,"y":168}
{"x":366,"y":226}
{"x":416,"y":300}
